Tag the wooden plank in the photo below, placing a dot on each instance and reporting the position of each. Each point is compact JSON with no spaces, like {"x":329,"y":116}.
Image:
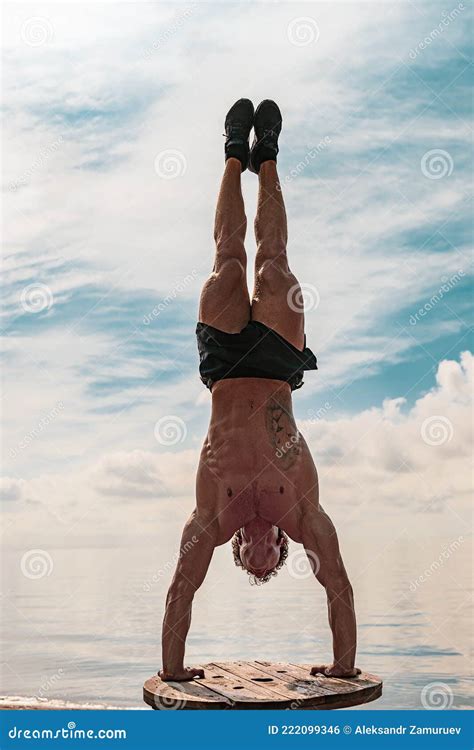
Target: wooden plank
{"x":302,"y":689}
{"x":257,"y":679}
{"x":324,"y":684}
{"x":305,"y":692}
{"x":291,"y":684}
{"x":287,"y":673}
{"x":229,"y":676}
{"x":353,"y":691}
{"x":364,"y":679}
{"x":261,"y":685}
{"x":332,"y":692}
{"x":174,"y":696}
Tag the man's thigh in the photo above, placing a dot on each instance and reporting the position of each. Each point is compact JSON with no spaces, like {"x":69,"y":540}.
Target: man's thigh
{"x":225,"y":302}
{"x":277,"y":301}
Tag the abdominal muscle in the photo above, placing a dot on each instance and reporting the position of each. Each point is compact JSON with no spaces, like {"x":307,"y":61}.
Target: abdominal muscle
{"x":253,"y":457}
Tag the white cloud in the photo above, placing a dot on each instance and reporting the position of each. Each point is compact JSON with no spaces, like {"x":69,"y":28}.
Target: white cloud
{"x":393,"y":465}
{"x":386,"y":465}
{"x":127,"y":231}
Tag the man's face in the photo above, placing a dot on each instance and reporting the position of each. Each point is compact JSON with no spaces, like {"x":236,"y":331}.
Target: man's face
{"x":261,"y":555}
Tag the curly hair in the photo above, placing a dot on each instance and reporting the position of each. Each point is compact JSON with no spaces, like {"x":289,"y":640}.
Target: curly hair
{"x":253,"y":579}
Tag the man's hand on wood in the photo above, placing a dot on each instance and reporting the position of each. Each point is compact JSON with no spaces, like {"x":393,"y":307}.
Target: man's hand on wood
{"x":180,"y":675}
{"x":331,"y":670}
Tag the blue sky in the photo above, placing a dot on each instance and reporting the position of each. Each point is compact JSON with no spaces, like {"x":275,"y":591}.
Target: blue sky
{"x":375,"y":165}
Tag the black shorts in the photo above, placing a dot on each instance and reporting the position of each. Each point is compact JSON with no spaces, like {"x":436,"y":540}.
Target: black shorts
{"x":256,"y":352}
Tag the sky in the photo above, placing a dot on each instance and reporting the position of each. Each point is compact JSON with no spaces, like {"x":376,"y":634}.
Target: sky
{"x":112,"y":153}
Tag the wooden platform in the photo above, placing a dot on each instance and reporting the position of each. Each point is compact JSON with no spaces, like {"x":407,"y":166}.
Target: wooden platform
{"x":261,"y":685}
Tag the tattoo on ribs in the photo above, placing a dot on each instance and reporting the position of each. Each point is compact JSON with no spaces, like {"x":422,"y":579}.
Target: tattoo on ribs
{"x":283,"y":433}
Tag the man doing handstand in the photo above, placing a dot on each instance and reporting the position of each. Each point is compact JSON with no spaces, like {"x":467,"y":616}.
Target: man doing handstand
{"x":256,"y":484}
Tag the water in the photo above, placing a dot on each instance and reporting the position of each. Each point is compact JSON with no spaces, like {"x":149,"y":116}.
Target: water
{"x":90,"y":630}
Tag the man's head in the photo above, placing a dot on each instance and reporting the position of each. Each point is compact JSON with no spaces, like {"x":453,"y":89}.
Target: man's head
{"x":260,"y":549}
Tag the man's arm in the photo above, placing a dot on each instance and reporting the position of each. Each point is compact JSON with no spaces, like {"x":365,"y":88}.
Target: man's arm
{"x":197,"y":546}
{"x":322,"y":547}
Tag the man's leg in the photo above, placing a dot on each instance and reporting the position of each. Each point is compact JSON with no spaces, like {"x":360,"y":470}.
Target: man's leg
{"x":277,"y":300}
{"x":225,"y":300}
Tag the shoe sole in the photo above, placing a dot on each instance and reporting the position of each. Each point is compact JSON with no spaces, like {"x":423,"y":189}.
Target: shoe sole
{"x":240,"y":101}
{"x":264,"y":103}
{"x":256,"y":140}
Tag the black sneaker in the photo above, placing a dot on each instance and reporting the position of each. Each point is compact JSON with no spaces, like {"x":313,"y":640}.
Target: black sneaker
{"x":267,"y":124}
{"x":238,"y":124}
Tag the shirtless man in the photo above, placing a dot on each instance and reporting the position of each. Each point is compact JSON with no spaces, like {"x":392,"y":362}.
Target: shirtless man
{"x":256,"y":484}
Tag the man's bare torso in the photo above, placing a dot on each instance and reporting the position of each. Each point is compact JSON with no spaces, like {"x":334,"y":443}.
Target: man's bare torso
{"x":254,"y":462}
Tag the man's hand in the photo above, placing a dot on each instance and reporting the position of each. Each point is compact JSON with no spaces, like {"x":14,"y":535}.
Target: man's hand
{"x":180,"y":675}
{"x":321,"y":544}
{"x":197,"y":545}
{"x":331,"y":670}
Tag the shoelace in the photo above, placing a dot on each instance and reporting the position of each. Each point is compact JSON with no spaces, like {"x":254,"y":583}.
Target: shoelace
{"x":235,"y":131}
{"x":268,"y":138}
